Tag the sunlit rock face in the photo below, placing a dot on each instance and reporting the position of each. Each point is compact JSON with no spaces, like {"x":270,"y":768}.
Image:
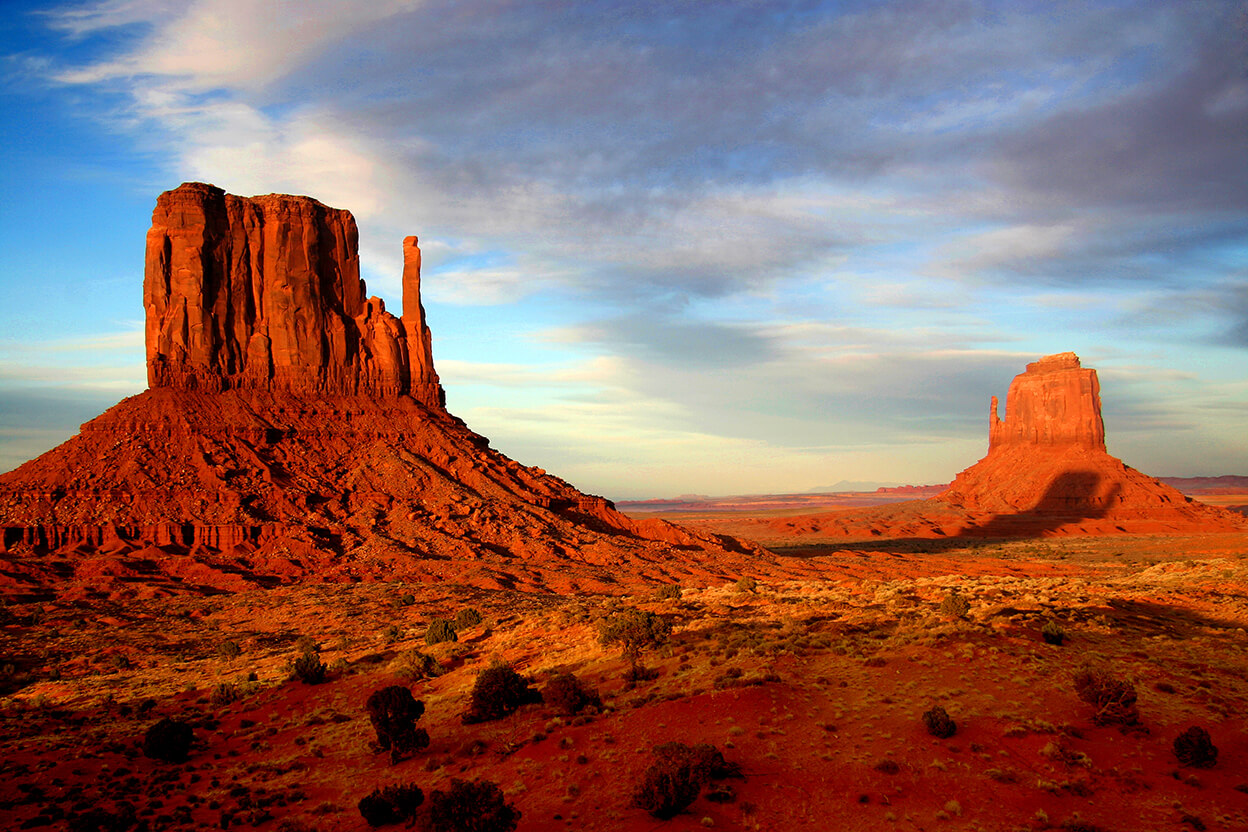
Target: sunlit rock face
{"x":265,"y":293}
{"x":1048,"y":454}
{"x":295,"y":429}
{"x":1055,"y":402}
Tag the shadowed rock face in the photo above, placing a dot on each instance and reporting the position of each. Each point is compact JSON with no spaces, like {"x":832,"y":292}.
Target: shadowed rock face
{"x":265,"y":293}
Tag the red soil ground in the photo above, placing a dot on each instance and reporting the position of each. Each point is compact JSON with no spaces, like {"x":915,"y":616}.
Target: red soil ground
{"x":810,"y":684}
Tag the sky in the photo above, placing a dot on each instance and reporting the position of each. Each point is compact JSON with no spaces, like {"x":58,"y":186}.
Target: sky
{"x":680,"y":247}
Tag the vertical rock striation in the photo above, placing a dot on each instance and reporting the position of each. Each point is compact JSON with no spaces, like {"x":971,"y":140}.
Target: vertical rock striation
{"x":1056,"y":402}
{"x":265,"y":293}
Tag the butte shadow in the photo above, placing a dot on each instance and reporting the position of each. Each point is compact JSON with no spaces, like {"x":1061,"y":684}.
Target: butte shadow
{"x":293,"y":430}
{"x":1047,"y":473}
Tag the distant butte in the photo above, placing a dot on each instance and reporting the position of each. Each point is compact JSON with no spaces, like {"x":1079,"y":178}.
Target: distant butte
{"x":296,"y":430}
{"x":1046,"y":473}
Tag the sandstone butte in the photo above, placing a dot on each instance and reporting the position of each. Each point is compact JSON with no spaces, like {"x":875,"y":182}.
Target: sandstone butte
{"x":295,"y":429}
{"x":1047,"y":472}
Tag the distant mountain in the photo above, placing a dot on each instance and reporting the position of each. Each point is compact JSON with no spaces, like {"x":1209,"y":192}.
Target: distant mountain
{"x":1208,"y":485}
{"x":851,"y":486}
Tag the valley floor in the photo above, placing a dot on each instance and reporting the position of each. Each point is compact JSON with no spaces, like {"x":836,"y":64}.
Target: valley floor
{"x":816,"y":687}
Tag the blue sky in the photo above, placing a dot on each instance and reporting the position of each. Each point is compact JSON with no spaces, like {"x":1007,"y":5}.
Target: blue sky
{"x":679,"y":247}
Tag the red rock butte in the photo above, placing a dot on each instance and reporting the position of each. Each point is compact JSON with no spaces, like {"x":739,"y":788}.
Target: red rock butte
{"x":1055,"y":403}
{"x":294,"y":429}
{"x":265,"y":293}
{"x":1047,"y":457}
{"x":1047,"y":472}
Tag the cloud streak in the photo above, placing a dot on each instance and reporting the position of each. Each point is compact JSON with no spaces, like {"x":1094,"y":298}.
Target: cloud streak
{"x":760,"y":221}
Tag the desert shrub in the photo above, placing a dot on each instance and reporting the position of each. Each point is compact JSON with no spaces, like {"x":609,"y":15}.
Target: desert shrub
{"x":477,"y":806}
{"x":939,"y":723}
{"x":467,"y":617}
{"x":954,"y":606}
{"x":668,"y":592}
{"x":498,"y":691}
{"x":11,"y":678}
{"x":1052,"y":633}
{"x":307,"y":644}
{"x":393,"y":804}
{"x":309,"y":669}
{"x":169,"y":740}
{"x":1194,"y":748}
{"x":634,"y":630}
{"x":394,"y":711}
{"x":887,"y":767}
{"x":229,"y":649}
{"x":413,"y":665}
{"x":407,"y":599}
{"x":391,"y":634}
{"x":1114,"y":699}
{"x":225,"y":693}
{"x":440,"y":630}
{"x":98,"y":819}
{"x":570,"y":695}
{"x":746,"y":584}
{"x":676,"y":776}
{"x":1076,"y":825}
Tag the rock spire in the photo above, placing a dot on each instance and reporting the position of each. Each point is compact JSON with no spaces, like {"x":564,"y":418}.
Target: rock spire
{"x":265,"y":293}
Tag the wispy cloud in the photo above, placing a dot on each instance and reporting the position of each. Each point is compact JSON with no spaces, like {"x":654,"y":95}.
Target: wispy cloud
{"x":767,"y":223}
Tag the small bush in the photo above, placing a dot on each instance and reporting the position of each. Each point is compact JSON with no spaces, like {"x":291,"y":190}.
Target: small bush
{"x":746,"y":584}
{"x":394,"y":711}
{"x":121,"y":819}
{"x":1194,"y":748}
{"x":939,"y":724}
{"x":1114,"y":699}
{"x":414,"y":665}
{"x":467,"y":617}
{"x":954,"y":606}
{"x":391,"y":634}
{"x":225,"y":693}
{"x":569,"y":694}
{"x":676,"y":776}
{"x":1052,"y":633}
{"x":229,"y":649}
{"x":307,"y":644}
{"x":308,"y":669}
{"x":498,"y":691}
{"x":634,"y":630}
{"x":168,"y":740}
{"x":407,"y":599}
{"x":668,"y":592}
{"x":393,"y":804}
{"x":440,"y":630}
{"x":479,"y":806}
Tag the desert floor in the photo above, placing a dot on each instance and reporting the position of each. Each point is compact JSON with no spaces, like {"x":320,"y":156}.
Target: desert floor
{"x":816,"y":688}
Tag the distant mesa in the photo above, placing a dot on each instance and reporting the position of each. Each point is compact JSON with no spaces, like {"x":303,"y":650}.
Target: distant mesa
{"x":1047,"y":472}
{"x":294,"y":429}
